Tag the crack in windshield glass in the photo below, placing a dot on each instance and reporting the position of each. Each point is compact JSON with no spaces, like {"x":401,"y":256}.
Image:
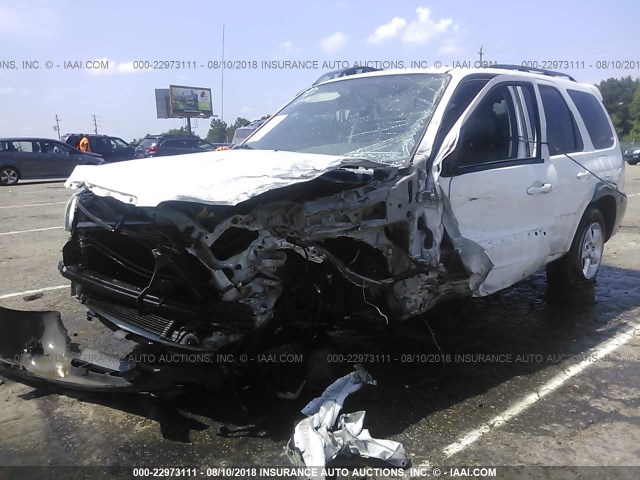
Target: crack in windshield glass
{"x":379,"y":118}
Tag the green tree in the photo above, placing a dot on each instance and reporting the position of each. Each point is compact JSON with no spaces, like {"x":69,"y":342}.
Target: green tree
{"x":218,"y":131}
{"x":617,"y":96}
{"x":634,"y":111}
{"x":177,"y":131}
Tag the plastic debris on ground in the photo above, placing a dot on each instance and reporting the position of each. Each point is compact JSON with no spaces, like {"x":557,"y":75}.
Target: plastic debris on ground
{"x":323,"y":435}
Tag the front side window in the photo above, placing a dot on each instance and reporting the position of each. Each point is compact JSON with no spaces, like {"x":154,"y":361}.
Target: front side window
{"x":379,"y":118}
{"x":562,"y":132}
{"x":594,"y":117}
{"x":503,"y":127}
{"x":118,"y":143}
{"x":100,"y":145}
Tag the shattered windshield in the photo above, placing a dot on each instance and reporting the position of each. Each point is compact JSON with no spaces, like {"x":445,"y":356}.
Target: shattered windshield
{"x":379,"y":118}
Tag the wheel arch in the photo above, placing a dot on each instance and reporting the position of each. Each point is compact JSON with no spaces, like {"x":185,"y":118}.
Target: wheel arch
{"x":612,"y":204}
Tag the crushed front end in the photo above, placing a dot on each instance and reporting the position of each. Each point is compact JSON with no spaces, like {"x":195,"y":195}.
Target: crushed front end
{"x":347,"y":248}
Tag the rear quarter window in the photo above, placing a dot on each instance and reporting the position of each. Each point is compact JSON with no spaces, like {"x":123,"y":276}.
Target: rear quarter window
{"x":594,"y":117}
{"x":563,"y":135}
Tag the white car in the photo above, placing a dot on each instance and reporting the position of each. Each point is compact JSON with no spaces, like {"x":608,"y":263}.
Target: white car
{"x":368,"y":198}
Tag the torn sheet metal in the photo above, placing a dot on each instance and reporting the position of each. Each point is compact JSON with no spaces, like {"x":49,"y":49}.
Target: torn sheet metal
{"x":318,"y":439}
{"x":215,"y":178}
{"x":35,"y":346}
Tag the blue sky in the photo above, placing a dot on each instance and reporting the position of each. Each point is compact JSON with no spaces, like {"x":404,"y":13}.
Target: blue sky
{"x":341,"y":30}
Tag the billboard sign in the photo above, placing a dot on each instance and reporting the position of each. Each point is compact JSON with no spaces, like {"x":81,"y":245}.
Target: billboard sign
{"x":162,"y":103}
{"x":190,"y":101}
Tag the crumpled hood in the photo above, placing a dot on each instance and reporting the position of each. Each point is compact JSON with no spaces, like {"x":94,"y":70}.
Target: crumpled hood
{"x":218,"y":178}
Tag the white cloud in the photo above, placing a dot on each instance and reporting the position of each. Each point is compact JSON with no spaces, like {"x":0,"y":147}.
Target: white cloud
{"x":450,"y":47}
{"x":424,"y":29}
{"x":126,"y":67}
{"x":287,"y":46}
{"x":387,"y":31}
{"x":420,"y":31}
{"x":333,"y":43}
{"x":6,"y":90}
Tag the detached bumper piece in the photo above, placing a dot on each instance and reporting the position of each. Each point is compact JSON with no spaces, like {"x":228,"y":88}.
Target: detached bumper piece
{"x":36,"y":349}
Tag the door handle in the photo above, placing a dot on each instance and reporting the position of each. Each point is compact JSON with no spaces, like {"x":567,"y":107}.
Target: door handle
{"x":544,"y":188}
{"x":583,"y":175}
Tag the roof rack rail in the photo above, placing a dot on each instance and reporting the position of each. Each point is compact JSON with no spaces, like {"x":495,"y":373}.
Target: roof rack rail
{"x":542,"y":71}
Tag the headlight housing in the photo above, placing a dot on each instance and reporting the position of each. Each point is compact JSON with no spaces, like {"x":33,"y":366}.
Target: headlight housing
{"x":70,"y":212}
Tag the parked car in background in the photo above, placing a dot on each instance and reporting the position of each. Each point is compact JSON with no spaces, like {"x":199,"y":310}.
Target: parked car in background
{"x":632,"y":155}
{"x":243,"y":132}
{"x":30,"y":158}
{"x":165,"y":145}
{"x":112,"y":149}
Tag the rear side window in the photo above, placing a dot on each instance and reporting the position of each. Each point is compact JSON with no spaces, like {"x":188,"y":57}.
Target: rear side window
{"x":595,"y":118}
{"x":562,"y":132}
{"x":147,"y":142}
{"x":26,"y":147}
{"x":170,"y":143}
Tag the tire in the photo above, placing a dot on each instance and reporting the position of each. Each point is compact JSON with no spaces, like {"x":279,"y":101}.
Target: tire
{"x":578,"y":268}
{"x":9,"y":176}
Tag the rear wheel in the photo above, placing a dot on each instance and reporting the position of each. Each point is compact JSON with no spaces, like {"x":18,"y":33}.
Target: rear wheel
{"x":9,"y":176}
{"x":578,"y":268}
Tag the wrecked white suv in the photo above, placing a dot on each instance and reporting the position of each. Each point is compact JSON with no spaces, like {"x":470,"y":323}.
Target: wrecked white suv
{"x":366,"y":199}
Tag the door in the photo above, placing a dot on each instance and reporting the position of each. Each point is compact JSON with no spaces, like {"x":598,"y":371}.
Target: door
{"x":25,"y":154}
{"x":121,"y":150}
{"x":499,"y":185}
{"x":566,"y":115}
{"x":172,"y":147}
{"x":58,"y":158}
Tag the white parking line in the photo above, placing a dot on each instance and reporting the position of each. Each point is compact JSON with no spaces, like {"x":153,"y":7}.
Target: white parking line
{"x":34,"y":205}
{"x":29,"y":231}
{"x":28,"y":292}
{"x":552,"y":385}
{"x":633,"y":194}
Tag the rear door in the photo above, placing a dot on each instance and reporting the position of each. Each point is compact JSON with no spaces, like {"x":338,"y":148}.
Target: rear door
{"x":202,"y":146}
{"x":577,"y":130}
{"x":170,"y":147}
{"x":25,"y":153}
{"x":499,"y":185}
{"x":177,"y":146}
